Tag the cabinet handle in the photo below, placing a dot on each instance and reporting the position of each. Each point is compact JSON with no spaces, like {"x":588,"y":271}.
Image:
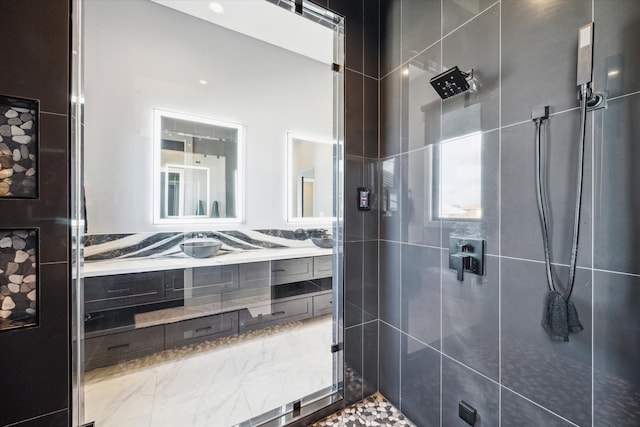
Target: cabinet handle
{"x":115,"y":291}
{"x":208,"y":328}
{"x":277,"y":313}
{"x":115,"y":347}
{"x":279,"y":270}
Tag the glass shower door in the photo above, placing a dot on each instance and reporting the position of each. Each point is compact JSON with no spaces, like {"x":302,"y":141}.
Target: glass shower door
{"x":207,"y":304}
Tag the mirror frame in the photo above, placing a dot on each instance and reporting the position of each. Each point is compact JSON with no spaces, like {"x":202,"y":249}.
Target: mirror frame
{"x":291,"y":136}
{"x":158,"y":114}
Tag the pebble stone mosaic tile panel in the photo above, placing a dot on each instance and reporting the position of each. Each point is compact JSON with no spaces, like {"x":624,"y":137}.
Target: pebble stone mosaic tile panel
{"x":18,"y":278}
{"x":18,"y":147}
{"x":374,"y":410}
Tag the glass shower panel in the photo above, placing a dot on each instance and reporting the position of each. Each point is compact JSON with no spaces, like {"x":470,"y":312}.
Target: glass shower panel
{"x":198,"y":299}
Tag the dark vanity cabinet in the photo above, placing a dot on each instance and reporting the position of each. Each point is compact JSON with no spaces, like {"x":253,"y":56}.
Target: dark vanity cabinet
{"x":292,"y":270}
{"x":276,"y":313}
{"x":123,"y":290}
{"x":200,"y":329}
{"x":322,"y":304}
{"x":117,"y":347}
{"x":292,"y":289}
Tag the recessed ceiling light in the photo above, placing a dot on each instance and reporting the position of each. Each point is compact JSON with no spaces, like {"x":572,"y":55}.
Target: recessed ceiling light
{"x":203,"y":82}
{"x":216,"y":7}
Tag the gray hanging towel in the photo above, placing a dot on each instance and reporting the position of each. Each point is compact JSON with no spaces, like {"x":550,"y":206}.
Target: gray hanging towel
{"x":572,"y":317}
{"x":555,"y":316}
{"x":560,"y":315}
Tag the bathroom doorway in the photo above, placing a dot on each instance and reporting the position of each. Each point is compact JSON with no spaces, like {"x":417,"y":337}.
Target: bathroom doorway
{"x":199,"y":296}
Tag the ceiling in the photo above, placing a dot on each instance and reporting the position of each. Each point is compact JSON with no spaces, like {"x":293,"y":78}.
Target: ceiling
{"x":264,"y":21}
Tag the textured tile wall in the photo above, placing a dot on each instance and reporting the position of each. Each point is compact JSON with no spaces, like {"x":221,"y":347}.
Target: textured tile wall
{"x":35,"y":361}
{"x":480,"y":340}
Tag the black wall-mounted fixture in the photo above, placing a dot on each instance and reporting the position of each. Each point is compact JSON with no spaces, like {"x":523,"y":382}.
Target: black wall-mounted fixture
{"x":364,"y":199}
{"x":452,"y":82}
{"x":466,"y":255}
{"x":467,"y":413}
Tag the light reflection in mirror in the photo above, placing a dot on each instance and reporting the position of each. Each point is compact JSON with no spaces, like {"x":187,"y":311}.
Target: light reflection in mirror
{"x":197,"y":164}
{"x":309,"y":178}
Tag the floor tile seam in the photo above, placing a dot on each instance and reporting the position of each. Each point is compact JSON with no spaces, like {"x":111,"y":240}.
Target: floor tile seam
{"x":538,"y":405}
{"x":470,"y":20}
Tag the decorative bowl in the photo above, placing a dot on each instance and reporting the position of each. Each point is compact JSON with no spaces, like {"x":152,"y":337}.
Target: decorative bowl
{"x":323,"y":242}
{"x":201,"y":248}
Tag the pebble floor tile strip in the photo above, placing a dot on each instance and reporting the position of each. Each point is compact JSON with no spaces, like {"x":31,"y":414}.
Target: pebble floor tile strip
{"x":374,"y":410}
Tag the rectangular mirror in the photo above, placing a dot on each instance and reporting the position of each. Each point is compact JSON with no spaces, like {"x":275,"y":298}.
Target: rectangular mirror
{"x":198,"y":171}
{"x":310,"y":178}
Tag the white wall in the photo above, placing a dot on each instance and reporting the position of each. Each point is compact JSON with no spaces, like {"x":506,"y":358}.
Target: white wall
{"x":140,"y":56}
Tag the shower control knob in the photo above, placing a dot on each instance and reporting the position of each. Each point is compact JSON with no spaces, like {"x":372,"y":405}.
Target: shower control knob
{"x":466,"y":255}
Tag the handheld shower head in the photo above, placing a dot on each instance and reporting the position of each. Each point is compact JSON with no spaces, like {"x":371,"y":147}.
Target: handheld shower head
{"x":451,"y":82}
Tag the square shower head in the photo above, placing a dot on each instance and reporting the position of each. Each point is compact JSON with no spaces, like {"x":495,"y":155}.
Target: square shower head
{"x":451,"y":82}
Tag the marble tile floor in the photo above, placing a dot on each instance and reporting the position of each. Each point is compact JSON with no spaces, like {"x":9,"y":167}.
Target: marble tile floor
{"x":218,"y":383}
{"x":374,"y":410}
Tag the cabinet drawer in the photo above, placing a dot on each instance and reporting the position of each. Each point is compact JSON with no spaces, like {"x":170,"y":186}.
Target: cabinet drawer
{"x":323,"y":266}
{"x":174,"y":284}
{"x":322,"y":304}
{"x":124,"y":290}
{"x":207,"y":281}
{"x":281,"y":312}
{"x":254,"y":275}
{"x":291,"y":270}
{"x":114,"y":348}
{"x":200,"y":329}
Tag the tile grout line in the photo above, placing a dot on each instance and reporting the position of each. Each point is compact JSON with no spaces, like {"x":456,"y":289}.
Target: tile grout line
{"x":400,"y":215}
{"x":468,"y":21}
{"x":442,"y":37}
{"x":615,"y":98}
{"x":538,"y":405}
{"x":362,"y":217}
{"x":51,"y":113}
{"x":500,"y":215}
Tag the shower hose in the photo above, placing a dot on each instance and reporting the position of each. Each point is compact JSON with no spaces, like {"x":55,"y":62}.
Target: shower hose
{"x":542,"y":200}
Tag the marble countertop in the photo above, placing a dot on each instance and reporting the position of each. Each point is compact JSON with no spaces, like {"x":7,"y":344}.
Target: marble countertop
{"x":178,"y":261}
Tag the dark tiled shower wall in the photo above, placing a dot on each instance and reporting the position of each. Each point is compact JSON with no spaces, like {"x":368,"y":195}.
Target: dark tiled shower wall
{"x":361,"y":170}
{"x":480,"y":340}
{"x":34,"y":361}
